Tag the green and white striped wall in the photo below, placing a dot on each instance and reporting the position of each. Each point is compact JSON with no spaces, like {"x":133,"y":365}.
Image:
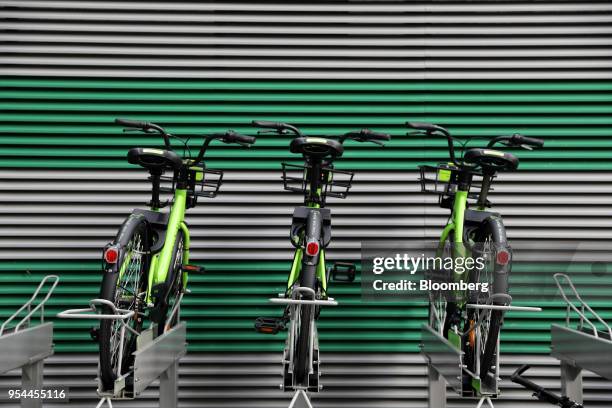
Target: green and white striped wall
{"x":477,"y":67}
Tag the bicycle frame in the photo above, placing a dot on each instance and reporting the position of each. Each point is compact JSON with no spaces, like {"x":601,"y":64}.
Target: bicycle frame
{"x":456,"y":226}
{"x":160,"y":262}
{"x":454,"y":230}
{"x":296,"y":266}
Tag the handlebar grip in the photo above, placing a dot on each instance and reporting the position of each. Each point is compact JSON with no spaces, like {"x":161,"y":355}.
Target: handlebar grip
{"x":267,"y":124}
{"x":370,"y":134}
{"x":531,"y":141}
{"x":232,"y":137}
{"x":131,"y":123}
{"x":427,"y":127}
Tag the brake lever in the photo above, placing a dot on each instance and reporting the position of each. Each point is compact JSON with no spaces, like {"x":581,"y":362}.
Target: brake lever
{"x":526,"y":147}
{"x":378,"y":142}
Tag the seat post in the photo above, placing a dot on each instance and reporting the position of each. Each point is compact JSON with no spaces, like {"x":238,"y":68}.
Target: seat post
{"x":155,"y":180}
{"x":484,"y":190}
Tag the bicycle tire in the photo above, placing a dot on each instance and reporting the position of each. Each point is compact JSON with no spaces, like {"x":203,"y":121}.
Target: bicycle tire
{"x":133,"y":242}
{"x":489,"y":353}
{"x":175,"y":280}
{"x":488,"y":356}
{"x":302,"y":349}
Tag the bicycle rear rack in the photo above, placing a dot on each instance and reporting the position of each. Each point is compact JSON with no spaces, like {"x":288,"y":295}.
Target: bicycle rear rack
{"x":155,"y":357}
{"x":585,"y":348}
{"x":27,"y":347}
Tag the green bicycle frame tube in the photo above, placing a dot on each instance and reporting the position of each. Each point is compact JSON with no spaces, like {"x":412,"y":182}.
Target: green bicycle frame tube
{"x":458,"y":215}
{"x":160,"y":264}
{"x":321,"y":273}
{"x":186,"y":246}
{"x":295,"y":267}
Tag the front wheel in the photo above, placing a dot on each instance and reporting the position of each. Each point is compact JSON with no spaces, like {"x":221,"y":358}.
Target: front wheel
{"x":125,"y":287}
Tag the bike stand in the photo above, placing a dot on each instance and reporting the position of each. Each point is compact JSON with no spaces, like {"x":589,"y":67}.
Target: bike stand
{"x":155,"y":357}
{"x":27,"y":348}
{"x":585,"y":348}
{"x":300,"y":399}
{"x":445,"y":363}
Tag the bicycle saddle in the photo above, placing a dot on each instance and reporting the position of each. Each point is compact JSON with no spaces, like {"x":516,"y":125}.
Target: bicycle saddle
{"x":316,"y":147}
{"x":154,"y":159}
{"x":489,"y":159}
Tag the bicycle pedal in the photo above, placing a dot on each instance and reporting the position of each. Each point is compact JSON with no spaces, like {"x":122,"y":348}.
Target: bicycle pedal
{"x":193,"y":269}
{"x":269,"y":325}
{"x":343,"y":271}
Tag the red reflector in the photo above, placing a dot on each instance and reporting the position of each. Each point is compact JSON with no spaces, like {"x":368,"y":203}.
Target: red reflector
{"x":503,"y":257}
{"x":312,"y":248}
{"x":111,"y":255}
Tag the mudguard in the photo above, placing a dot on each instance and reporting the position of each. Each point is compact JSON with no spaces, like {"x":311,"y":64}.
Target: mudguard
{"x":300,"y":217}
{"x":479,"y":219}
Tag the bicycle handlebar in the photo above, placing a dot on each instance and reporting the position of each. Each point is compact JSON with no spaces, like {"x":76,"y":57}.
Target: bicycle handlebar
{"x":239,"y":138}
{"x":518,"y":140}
{"x":228,"y":137}
{"x":363,"y":135}
{"x":515,"y":140}
{"x":430,"y":128}
{"x":145,"y":127}
{"x":233,"y":137}
{"x":366,"y":135}
{"x":278,"y":126}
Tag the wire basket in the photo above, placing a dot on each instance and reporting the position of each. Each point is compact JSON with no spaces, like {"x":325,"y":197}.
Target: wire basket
{"x":334,"y":183}
{"x":443,"y":180}
{"x":205,"y":182}
{"x":202,"y":182}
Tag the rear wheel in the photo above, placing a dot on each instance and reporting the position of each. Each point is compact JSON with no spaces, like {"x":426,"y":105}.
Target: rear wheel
{"x":125,"y":288}
{"x":446,"y":313}
{"x":490,"y":320}
{"x":302,"y":350}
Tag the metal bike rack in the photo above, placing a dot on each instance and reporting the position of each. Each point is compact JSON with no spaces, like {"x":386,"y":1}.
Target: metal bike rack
{"x":300,"y":398}
{"x":584,"y":348}
{"x":27,"y":347}
{"x":445,"y":362}
{"x":155,"y":357}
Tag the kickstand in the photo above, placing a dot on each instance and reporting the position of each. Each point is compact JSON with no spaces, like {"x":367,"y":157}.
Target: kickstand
{"x":105,"y":400}
{"x":483,"y":400}
{"x":300,"y":400}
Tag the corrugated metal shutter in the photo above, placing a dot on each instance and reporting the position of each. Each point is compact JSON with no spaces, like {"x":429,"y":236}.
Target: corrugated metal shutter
{"x":481,"y":68}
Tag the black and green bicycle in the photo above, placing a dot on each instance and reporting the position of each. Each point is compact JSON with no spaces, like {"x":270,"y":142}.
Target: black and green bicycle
{"x":471,"y":319}
{"x":310,"y":234}
{"x":146,"y":266}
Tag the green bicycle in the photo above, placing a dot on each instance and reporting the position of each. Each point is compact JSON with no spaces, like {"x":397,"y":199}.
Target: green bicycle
{"x":146,"y":266}
{"x":310,"y":234}
{"x":471,"y":320}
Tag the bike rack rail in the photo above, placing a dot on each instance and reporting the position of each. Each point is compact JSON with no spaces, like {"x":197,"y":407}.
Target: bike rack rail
{"x":585,"y":348}
{"x":445,"y":360}
{"x":300,"y":398}
{"x":155,"y":357}
{"x":27,"y":347}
